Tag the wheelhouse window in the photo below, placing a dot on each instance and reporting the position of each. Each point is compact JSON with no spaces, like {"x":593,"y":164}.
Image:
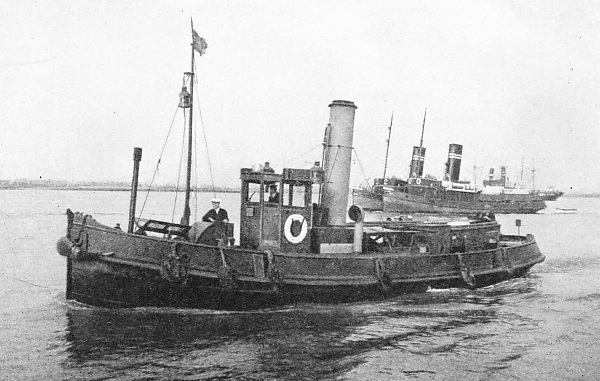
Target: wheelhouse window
{"x":253,"y":193}
{"x":295,"y":194}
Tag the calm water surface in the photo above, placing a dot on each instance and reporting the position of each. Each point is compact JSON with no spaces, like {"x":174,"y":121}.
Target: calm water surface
{"x":542,"y":327}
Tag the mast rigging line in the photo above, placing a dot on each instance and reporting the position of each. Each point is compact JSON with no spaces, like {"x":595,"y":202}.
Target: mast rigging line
{"x":212,"y":180}
{"x":302,"y":154}
{"x":159,"y":161}
{"x":360,"y":165}
{"x":181,"y":156}
{"x":157,"y":168}
{"x":196,"y":172}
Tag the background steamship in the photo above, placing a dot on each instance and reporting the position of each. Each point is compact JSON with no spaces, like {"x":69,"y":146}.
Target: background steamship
{"x":425,"y":194}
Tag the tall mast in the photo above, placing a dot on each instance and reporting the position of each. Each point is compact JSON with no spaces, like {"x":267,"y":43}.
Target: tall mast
{"x":420,"y":162}
{"x":185,"y":220}
{"x":388,"y":145}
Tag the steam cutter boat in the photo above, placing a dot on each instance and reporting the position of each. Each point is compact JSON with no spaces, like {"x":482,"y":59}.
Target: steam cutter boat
{"x":288,"y":252}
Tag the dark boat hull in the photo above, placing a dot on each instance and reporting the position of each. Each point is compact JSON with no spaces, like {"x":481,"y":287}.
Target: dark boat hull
{"x":513,"y":203}
{"x":548,"y":195}
{"x":114,"y":269}
{"x":401,"y":202}
{"x":367,"y":200}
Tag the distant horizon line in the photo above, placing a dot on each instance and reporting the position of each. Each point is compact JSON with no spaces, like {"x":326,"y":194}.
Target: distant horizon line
{"x":96,"y":185}
{"x":102,"y":185}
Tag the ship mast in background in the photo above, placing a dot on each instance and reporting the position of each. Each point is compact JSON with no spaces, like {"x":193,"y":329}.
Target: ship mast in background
{"x":387,"y":151}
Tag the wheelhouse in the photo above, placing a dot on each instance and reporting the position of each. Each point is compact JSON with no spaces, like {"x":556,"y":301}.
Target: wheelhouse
{"x":284,"y":225}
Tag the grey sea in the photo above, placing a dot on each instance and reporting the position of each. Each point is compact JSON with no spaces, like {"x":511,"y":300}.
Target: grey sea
{"x":544,"y":326}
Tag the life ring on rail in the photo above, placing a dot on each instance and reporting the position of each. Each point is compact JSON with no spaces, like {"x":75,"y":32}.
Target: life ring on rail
{"x":418,"y":181}
{"x":292,"y":224}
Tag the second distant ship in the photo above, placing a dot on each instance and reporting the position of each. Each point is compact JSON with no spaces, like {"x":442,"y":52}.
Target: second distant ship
{"x":449,"y":196}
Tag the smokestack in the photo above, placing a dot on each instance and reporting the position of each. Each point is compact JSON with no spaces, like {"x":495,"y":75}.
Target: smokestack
{"x":338,"y":157}
{"x":417,"y":162}
{"x":454,"y":160}
{"x":503,"y":175}
{"x":137,"y":157}
{"x":491,"y":174}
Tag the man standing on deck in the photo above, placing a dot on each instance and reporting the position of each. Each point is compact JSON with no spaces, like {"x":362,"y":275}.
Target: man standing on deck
{"x":216,"y":214}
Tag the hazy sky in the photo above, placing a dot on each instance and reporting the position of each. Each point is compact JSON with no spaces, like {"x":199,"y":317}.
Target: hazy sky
{"x":83,"y":82}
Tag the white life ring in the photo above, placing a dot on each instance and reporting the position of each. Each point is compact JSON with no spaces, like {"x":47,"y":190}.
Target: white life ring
{"x":287,"y":228}
{"x":418,"y":181}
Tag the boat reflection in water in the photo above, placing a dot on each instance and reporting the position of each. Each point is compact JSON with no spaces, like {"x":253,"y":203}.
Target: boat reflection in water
{"x":308,"y":341}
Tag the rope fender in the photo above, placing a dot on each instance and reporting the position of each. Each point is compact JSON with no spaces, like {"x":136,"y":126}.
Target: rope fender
{"x":465,"y":272}
{"x":381,"y":275}
{"x":228,"y":276}
{"x":174,"y":267}
{"x":508,"y":265}
{"x":72,"y":248}
{"x":275,"y":275}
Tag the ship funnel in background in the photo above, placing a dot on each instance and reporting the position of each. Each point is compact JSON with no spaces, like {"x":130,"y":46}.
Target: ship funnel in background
{"x":417,"y":162}
{"x":503,"y":175}
{"x":338,"y":157}
{"x":453,"y":165}
{"x":491,"y":176}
